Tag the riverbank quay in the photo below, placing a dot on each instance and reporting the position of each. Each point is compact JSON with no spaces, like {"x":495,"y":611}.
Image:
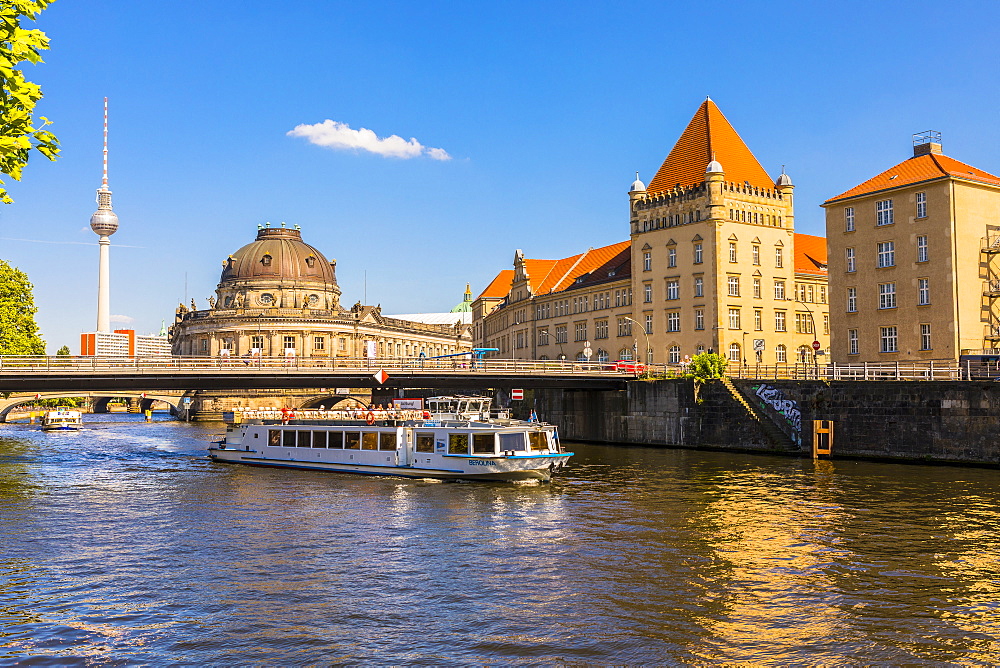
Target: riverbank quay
{"x":948,"y":422}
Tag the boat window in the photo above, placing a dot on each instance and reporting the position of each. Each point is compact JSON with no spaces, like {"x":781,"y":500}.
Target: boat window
{"x":483,"y":444}
{"x":274,"y":437}
{"x":538,"y":440}
{"x":369,"y":440}
{"x":288,"y":439}
{"x":336,"y":439}
{"x":319,"y":439}
{"x":387,"y":440}
{"x":305,"y":439}
{"x":352,"y":440}
{"x":458,"y":444}
{"x":513,"y":442}
{"x":425,"y":442}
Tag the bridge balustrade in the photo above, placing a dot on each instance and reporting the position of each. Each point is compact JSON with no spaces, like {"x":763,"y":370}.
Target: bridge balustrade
{"x":29,"y":364}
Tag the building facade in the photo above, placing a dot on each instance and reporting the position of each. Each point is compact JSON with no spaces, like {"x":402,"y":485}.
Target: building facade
{"x":914,"y":272}
{"x":125,"y":342}
{"x":278,"y":297}
{"x":712,"y":264}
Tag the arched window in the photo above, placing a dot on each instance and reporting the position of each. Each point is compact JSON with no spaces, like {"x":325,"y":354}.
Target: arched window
{"x":602,"y":355}
{"x":779,"y":353}
{"x":674,"y":354}
{"x":625,"y":354}
{"x":266,"y":260}
{"x":700,"y":349}
{"x":734,"y":352}
{"x":803,"y":353}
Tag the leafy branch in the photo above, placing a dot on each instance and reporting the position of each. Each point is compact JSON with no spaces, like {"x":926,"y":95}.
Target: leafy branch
{"x":20,"y":132}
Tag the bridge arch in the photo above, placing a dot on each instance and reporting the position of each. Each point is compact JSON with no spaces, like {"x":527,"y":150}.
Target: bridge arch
{"x":146,"y":400}
{"x":333,"y":402}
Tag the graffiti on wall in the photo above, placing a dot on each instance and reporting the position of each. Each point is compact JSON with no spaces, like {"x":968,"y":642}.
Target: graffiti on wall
{"x":786,"y":407}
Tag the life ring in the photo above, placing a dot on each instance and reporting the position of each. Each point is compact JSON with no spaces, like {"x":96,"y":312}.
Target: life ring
{"x":370,"y":418}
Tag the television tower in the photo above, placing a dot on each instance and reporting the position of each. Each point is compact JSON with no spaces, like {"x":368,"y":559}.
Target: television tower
{"x":104,"y":223}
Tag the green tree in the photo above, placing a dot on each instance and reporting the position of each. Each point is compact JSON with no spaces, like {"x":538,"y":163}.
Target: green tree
{"x":707,"y":365}
{"x":18,"y":331}
{"x":64,"y":351}
{"x":20,"y":133}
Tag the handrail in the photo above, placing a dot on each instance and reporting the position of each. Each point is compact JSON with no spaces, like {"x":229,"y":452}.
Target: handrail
{"x":416,"y":366}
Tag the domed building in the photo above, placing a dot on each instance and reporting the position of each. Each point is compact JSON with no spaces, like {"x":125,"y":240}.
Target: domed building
{"x":278,"y":297}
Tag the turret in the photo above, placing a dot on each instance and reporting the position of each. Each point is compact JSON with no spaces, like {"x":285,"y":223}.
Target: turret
{"x":715,"y":176}
{"x":784,"y":186}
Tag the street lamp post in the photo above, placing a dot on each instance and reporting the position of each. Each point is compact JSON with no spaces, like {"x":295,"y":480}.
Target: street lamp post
{"x":812,"y":321}
{"x":562,"y":354}
{"x":643,"y":328}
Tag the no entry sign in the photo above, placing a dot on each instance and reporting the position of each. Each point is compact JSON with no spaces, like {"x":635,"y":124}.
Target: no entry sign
{"x":517,"y":395}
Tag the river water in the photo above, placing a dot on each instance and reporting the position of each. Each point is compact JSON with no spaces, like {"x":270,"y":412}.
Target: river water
{"x":122,"y":544}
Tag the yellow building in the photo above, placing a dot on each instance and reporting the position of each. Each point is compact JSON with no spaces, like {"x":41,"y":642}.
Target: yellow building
{"x":554,"y":309}
{"x":713,"y":263}
{"x":915,"y":273}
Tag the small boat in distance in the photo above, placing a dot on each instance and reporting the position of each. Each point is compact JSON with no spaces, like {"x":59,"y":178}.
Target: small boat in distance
{"x":62,"y":419}
{"x":454,"y":438}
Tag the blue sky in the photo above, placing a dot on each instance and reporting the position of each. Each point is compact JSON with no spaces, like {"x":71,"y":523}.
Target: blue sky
{"x":545,"y":110}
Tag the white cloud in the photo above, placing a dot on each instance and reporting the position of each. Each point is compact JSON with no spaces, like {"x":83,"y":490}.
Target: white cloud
{"x":334,"y":135}
{"x":438,"y":154}
{"x":124,"y":319}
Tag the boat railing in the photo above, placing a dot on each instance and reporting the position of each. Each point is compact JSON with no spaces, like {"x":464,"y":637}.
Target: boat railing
{"x":368,"y":415}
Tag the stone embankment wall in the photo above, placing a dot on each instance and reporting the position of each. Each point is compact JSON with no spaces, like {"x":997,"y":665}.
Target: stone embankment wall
{"x":654,"y":413}
{"x":908,"y":420}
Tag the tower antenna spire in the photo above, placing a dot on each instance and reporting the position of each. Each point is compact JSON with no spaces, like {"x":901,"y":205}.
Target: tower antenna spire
{"x":104,"y":180}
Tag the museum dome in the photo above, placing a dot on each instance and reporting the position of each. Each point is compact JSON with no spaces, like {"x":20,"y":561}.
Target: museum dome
{"x":278,"y":254}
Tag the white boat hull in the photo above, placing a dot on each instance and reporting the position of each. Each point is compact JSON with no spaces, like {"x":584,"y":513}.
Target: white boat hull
{"x":538,"y":467}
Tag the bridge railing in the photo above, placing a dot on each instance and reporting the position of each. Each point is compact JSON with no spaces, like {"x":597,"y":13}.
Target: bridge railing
{"x":29,"y":364}
{"x":916,"y":370}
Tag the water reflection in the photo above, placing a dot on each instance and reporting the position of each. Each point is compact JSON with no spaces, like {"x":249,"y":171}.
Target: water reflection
{"x":124,"y":542}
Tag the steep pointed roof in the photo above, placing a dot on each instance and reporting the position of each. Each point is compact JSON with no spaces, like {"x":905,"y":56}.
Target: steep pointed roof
{"x":709,"y":136}
{"x":917,"y":170}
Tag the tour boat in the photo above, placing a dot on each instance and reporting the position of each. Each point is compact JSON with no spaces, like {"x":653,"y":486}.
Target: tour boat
{"x":62,"y":419}
{"x":455,"y":438}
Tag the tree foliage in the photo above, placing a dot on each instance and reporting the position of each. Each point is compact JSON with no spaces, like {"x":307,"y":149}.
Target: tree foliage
{"x":64,"y":351}
{"x":707,"y":365}
{"x":20,"y":133}
{"x":18,"y":331}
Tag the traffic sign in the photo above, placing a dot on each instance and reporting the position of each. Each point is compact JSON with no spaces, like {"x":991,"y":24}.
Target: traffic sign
{"x":588,"y":352}
{"x":758,"y":345}
{"x":381,"y":376}
{"x":816,"y":345}
{"x":516,"y":395}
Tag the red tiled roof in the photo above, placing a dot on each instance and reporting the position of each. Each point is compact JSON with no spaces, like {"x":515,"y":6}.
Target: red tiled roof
{"x":810,"y":254}
{"x":916,"y":170}
{"x":554,"y":275}
{"x":499,"y":286}
{"x":709,"y":134}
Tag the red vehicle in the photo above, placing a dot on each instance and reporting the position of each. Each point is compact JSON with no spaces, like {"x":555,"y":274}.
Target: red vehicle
{"x":627,"y":366}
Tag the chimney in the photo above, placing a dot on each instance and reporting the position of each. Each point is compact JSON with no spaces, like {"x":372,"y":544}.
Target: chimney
{"x":925,"y":143}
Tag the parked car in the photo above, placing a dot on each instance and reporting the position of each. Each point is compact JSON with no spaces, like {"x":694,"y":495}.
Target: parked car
{"x":627,"y":366}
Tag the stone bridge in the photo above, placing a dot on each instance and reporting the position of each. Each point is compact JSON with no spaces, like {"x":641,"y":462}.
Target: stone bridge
{"x":118,"y":375}
{"x":100,"y":399}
